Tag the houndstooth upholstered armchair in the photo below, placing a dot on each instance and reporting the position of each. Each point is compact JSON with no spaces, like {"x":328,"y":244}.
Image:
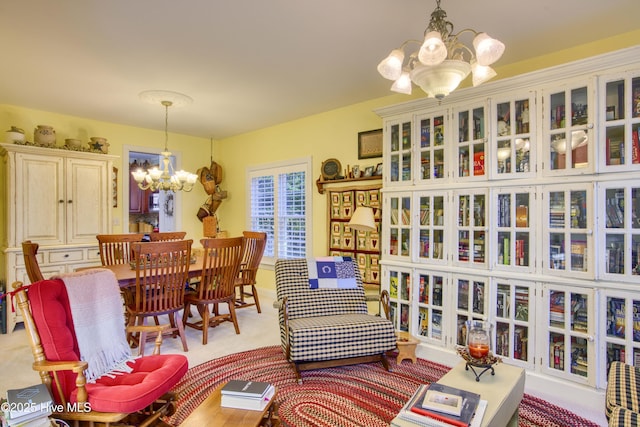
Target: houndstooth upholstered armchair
{"x":323,"y":317}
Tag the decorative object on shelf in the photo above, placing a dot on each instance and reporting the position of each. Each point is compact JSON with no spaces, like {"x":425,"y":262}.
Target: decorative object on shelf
{"x":72,"y":144}
{"x":99,"y":144}
{"x":378,"y":170}
{"x":355,"y":171}
{"x":44,"y":135}
{"x":368,"y":171}
{"x":477,"y":353}
{"x":15,"y":135}
{"x":165,"y":179}
{"x":331,"y":169}
{"x":443,"y":60}
{"x":370,"y":144}
{"x":362,"y":219}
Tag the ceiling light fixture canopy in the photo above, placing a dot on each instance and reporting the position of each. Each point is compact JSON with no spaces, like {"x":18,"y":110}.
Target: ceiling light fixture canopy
{"x":165,"y":179}
{"x":442,"y":60}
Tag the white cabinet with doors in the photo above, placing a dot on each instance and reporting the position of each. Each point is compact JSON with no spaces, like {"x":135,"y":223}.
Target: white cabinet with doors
{"x":59,"y":199}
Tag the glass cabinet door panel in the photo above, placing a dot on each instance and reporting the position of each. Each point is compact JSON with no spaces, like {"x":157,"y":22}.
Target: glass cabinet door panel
{"x":620,"y":227}
{"x":432,"y":144}
{"x":571,"y":332}
{"x":567,"y":130}
{"x":430,"y":307}
{"x":621,"y":315}
{"x":431,"y":228}
{"x":511,"y":138}
{"x":398,"y":283}
{"x":513,"y":245}
{"x":471,"y":138}
{"x":397,"y":223}
{"x":471,"y":303}
{"x":398,"y":139}
{"x":471,"y":227}
{"x":569,"y":246}
{"x":620,"y":103}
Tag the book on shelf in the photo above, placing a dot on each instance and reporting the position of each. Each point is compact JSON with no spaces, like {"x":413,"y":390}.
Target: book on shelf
{"x":244,"y":388}
{"x":238,"y":401}
{"x":28,"y":403}
{"x":414,"y":411}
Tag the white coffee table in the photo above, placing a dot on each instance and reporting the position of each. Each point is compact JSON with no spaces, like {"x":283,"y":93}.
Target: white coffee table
{"x":502,"y":391}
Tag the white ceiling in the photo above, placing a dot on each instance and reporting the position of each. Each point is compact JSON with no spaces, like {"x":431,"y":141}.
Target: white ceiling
{"x":249,"y":64}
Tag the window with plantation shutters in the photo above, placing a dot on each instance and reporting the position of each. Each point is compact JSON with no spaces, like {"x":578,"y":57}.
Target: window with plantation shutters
{"x":280,"y":205}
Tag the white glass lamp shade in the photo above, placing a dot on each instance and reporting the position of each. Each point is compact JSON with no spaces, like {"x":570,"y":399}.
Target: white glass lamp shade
{"x":403,"y":84}
{"x":139,"y":175}
{"x":391,"y":66}
{"x":481,"y":73}
{"x":488,"y":50}
{"x":363,"y":219}
{"x":433,"y":51}
{"x":437,"y":82}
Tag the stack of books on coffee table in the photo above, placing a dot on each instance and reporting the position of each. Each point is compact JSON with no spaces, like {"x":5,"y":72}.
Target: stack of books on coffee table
{"x":250,"y":395}
{"x":438,"y":405}
{"x":28,"y":407}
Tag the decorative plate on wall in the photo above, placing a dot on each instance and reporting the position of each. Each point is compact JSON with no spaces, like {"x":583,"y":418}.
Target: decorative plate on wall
{"x":331,"y":169}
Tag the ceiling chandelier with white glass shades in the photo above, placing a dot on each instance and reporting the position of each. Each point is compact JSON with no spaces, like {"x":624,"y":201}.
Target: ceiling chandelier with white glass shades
{"x":441,"y":60}
{"x":165,"y":178}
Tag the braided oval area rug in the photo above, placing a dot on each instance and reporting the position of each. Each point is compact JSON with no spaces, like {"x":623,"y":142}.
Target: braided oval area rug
{"x":363,"y":395}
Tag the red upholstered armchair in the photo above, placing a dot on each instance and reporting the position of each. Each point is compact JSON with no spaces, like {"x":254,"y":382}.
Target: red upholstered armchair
{"x":139,"y":397}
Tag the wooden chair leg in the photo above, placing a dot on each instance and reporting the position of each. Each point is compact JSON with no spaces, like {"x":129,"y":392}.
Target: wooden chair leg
{"x":180,"y":327}
{"x":234,"y":319}
{"x":205,"y":324}
{"x":254,"y":291}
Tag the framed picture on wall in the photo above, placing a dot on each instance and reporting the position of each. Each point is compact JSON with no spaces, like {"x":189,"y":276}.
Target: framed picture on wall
{"x":370,"y":144}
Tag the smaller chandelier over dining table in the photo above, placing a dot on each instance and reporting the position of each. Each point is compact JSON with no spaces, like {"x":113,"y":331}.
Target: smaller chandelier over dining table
{"x":442,"y":60}
{"x":165,"y":178}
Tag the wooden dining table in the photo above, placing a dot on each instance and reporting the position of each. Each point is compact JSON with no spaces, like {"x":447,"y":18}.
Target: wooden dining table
{"x":127,"y":276}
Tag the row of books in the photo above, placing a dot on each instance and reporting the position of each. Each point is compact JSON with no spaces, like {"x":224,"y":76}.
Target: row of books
{"x":28,"y":407}
{"x":250,"y":395}
{"x":439,"y":405}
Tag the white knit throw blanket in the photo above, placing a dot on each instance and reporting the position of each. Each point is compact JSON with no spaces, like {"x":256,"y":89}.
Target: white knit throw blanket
{"x":98,"y":319}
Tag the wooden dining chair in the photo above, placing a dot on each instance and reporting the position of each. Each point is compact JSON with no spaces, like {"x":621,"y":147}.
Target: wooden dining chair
{"x":164,"y":236}
{"x":116,"y":248}
{"x":30,"y":252}
{"x":220,"y":266}
{"x":254,"y":245}
{"x":162,"y":270}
